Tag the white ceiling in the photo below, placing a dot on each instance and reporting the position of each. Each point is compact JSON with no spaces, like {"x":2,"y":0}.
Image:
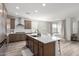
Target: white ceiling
{"x":52,"y":11}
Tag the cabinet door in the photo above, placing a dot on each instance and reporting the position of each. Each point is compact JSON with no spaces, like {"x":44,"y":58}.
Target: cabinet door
{"x":40,"y":51}
{"x":49,"y":49}
{"x":27,"y":24}
{"x":12,"y":38}
{"x":27,"y":41}
{"x":35,"y":47}
{"x":12,"y":23}
{"x":30,"y":44}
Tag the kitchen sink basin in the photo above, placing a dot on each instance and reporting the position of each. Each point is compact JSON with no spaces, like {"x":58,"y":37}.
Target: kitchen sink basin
{"x":34,"y":35}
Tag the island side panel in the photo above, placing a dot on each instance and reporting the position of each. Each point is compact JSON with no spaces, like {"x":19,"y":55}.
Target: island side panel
{"x":49,"y":49}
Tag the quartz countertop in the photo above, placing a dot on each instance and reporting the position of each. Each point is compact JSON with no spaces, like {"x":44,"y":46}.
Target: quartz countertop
{"x":45,"y":38}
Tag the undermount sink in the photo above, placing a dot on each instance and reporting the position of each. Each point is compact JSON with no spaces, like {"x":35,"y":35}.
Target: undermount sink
{"x":34,"y":35}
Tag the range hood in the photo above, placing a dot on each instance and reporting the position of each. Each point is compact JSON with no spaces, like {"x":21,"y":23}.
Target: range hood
{"x":19,"y":22}
{"x":20,"y":25}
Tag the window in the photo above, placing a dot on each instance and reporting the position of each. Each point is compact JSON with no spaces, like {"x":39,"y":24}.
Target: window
{"x":56,"y":28}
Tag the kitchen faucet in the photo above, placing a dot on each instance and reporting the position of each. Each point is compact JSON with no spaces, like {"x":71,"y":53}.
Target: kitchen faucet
{"x":38,"y":32}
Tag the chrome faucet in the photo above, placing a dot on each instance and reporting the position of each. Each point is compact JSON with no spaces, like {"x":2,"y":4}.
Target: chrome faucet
{"x":38,"y":32}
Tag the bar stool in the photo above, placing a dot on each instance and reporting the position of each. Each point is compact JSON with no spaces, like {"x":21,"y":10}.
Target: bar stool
{"x":59,"y":48}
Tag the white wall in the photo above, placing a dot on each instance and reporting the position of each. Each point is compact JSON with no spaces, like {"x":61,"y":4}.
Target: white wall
{"x":19,"y":28}
{"x":75,"y":26}
{"x":2,"y":26}
{"x":1,"y":29}
{"x":16,"y":22}
{"x":43,"y":26}
{"x":68,"y":28}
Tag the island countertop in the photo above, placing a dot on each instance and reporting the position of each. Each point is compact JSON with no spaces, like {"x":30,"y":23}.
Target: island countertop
{"x":45,"y":38}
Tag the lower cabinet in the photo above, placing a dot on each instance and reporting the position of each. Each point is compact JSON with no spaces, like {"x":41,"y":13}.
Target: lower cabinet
{"x":15,"y":37}
{"x":30,"y":43}
{"x":35,"y":47}
{"x":39,"y":48}
{"x":49,"y":49}
{"x":40,"y":51}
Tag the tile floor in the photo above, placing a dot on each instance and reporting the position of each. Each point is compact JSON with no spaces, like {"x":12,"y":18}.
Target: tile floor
{"x":14,"y":49}
{"x":68,"y":48}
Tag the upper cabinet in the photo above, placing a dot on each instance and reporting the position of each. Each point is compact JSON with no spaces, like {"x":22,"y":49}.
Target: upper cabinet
{"x":27,"y":24}
{"x":12,"y":23}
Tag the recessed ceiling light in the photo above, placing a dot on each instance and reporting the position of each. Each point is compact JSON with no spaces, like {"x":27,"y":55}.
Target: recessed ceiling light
{"x":17,"y":7}
{"x":16,"y":13}
{"x":43,"y":4}
{"x":36,"y":11}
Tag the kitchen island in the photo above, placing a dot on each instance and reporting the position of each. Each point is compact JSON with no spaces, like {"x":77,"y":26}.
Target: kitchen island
{"x":43,"y":45}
